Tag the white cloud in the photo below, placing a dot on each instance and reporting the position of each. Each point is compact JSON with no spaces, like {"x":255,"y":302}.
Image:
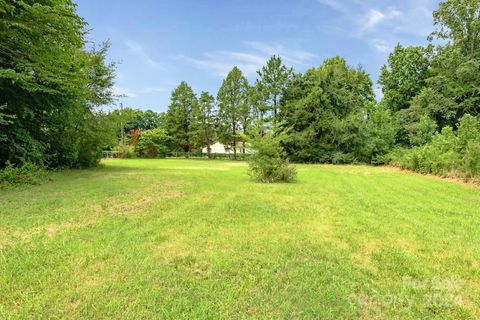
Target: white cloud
{"x":375,"y":17}
{"x":250,"y":60}
{"x":382,"y":45}
{"x":408,"y":22}
{"x":138,"y":50}
{"x":292,"y":56}
{"x":221,"y":62}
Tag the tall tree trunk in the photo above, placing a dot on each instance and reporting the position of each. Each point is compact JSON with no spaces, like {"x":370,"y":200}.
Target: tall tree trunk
{"x":244,"y":133}
{"x":275,"y":110}
{"x":234,"y":131}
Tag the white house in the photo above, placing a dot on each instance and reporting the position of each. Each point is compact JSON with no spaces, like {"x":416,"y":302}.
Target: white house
{"x":218,"y":147}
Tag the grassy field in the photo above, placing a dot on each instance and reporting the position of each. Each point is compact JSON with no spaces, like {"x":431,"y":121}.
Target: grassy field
{"x":197,"y":239}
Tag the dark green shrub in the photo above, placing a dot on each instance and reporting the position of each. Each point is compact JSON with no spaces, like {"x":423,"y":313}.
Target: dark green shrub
{"x":28,"y":173}
{"x":267,"y":163}
{"x":470,"y":162}
{"x":450,"y":153}
{"x":153,"y":144}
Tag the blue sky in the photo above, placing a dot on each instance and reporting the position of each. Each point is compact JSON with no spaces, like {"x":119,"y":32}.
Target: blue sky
{"x":162,"y":42}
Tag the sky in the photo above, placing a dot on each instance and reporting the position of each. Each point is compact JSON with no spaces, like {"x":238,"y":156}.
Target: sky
{"x":159,"y":43}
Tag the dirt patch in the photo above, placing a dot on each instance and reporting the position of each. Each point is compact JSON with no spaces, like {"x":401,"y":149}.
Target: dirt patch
{"x":72,"y":306}
{"x":170,"y":251}
{"x":49,"y":230}
{"x":135,"y":201}
{"x":406,"y":244}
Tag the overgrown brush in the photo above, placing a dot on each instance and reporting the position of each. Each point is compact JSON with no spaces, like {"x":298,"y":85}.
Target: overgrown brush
{"x":449,"y":154}
{"x":268,"y":162}
{"x":28,"y":173}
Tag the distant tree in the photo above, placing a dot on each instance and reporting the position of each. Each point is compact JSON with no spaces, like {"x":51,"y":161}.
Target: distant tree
{"x":202,"y":127}
{"x":376,"y":135}
{"x":324,"y":109}
{"x":403,"y":76}
{"x":153,"y":144}
{"x":179,"y":115}
{"x":232,"y":99}
{"x":455,"y":70}
{"x":436,"y":106}
{"x":273,"y":79}
{"x":257,"y":101}
{"x":457,"y":21}
{"x":144,"y":120}
{"x":422,"y":131}
{"x":4,"y":120}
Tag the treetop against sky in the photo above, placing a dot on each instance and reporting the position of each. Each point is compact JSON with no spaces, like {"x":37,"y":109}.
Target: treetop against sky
{"x":160,"y":43}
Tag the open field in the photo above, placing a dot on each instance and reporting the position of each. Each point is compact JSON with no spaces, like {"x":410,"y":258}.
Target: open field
{"x":197,"y":239}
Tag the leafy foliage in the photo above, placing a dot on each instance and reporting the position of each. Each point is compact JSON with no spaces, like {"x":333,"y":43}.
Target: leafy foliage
{"x":268,"y":161}
{"x":49,"y":85}
{"x":324,"y":108}
{"x":179,"y":117}
{"x":272,"y":82}
{"x":202,"y":127}
{"x":450,"y":153}
{"x":404,"y":76}
{"x":27,"y":173}
{"x":376,"y":135}
{"x":153,"y":144}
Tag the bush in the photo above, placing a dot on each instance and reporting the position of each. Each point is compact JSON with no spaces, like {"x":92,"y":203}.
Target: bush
{"x":267,"y":163}
{"x":450,"y":153}
{"x":470,"y":162}
{"x":153,"y":144}
{"x":28,"y":173}
{"x":124,"y":151}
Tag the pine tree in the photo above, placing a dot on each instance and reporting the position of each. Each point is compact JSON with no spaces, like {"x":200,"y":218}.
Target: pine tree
{"x":233,"y":104}
{"x":179,"y":116}
{"x":272,"y":82}
{"x":202,"y":127}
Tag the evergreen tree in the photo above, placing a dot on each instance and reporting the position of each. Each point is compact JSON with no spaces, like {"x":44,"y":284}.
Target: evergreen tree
{"x":179,"y":116}
{"x":324,"y":109}
{"x":232,"y":100}
{"x":202,"y":126}
{"x":273,"y":80}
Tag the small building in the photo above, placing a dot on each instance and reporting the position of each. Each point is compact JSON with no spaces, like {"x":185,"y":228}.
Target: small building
{"x":221,"y":148}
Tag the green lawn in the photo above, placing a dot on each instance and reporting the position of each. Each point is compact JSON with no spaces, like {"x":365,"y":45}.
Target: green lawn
{"x":197,"y":239}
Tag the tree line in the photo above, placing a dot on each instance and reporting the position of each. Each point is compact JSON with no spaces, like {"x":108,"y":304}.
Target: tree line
{"x":427,"y":120}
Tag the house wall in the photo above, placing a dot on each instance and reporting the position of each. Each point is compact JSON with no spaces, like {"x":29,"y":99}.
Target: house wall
{"x":220,"y":148}
{"x":217,"y":148}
